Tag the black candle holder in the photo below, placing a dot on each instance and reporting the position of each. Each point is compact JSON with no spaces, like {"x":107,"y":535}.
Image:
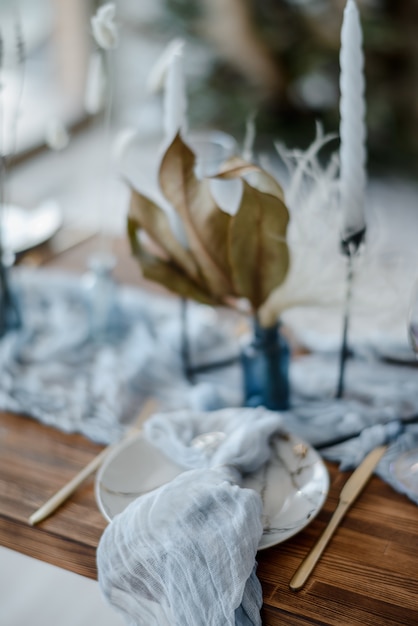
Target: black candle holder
{"x":190,"y":370}
{"x":349,"y":247}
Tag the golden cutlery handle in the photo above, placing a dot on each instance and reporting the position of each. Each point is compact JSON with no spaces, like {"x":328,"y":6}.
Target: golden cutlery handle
{"x":349,"y":493}
{"x":68,"y":489}
{"x":305,"y":568}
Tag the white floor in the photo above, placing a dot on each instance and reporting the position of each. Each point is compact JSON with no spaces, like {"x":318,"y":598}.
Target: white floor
{"x":36,"y":594}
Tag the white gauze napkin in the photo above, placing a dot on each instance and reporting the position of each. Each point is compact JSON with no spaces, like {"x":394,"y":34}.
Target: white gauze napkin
{"x":184,"y":554}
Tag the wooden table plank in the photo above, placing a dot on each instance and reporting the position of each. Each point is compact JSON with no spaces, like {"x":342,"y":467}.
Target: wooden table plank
{"x":368,"y":571}
{"x":35,"y":461}
{"x":364,"y":576}
{"x":368,"y":575}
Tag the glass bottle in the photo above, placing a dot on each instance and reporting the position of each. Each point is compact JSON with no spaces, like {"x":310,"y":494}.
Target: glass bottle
{"x":265,"y":362}
{"x":101,"y":294}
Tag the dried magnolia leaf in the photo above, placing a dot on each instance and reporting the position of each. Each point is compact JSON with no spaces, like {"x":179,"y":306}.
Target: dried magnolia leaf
{"x":229,"y":257}
{"x":156,"y":224}
{"x":165,"y":273}
{"x":236,"y":167}
{"x":258,"y":178}
{"x":264,"y":182}
{"x":205,"y":223}
{"x":258,"y":251}
{"x":213,"y":224}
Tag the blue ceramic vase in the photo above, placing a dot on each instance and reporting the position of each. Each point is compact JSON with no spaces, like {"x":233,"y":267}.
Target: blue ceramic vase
{"x":265,"y":362}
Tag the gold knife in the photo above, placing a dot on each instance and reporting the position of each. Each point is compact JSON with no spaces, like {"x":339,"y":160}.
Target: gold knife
{"x":349,"y":493}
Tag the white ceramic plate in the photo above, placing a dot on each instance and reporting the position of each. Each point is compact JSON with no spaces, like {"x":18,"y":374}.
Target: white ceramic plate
{"x":25,"y":229}
{"x":293,"y":485}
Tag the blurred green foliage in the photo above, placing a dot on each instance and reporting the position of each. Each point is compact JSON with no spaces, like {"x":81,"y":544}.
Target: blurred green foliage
{"x":302,"y":38}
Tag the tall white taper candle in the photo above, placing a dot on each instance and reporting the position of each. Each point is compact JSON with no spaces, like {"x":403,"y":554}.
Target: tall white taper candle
{"x":175,"y":101}
{"x":352,"y":125}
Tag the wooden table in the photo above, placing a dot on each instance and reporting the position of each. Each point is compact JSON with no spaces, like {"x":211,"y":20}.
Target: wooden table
{"x":367,"y":576}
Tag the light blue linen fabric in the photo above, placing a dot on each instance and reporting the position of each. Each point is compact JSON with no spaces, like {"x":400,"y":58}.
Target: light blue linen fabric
{"x":54,"y":371}
{"x":378,"y":397}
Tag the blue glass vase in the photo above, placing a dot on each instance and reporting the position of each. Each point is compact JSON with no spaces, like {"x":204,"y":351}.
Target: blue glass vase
{"x":265,"y":362}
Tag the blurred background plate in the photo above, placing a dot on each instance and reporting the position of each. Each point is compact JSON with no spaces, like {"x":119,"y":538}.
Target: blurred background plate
{"x":25,"y":229}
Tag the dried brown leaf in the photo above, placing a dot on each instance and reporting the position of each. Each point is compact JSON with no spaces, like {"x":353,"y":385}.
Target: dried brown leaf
{"x":205,"y":223}
{"x":258,"y":178}
{"x":258,"y":251}
{"x":236,"y":167}
{"x":165,"y":273}
{"x":157,"y":225}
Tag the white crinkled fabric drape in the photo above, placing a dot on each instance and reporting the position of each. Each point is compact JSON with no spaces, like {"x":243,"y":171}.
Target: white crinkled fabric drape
{"x":246,"y":444}
{"x":184,"y":555}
